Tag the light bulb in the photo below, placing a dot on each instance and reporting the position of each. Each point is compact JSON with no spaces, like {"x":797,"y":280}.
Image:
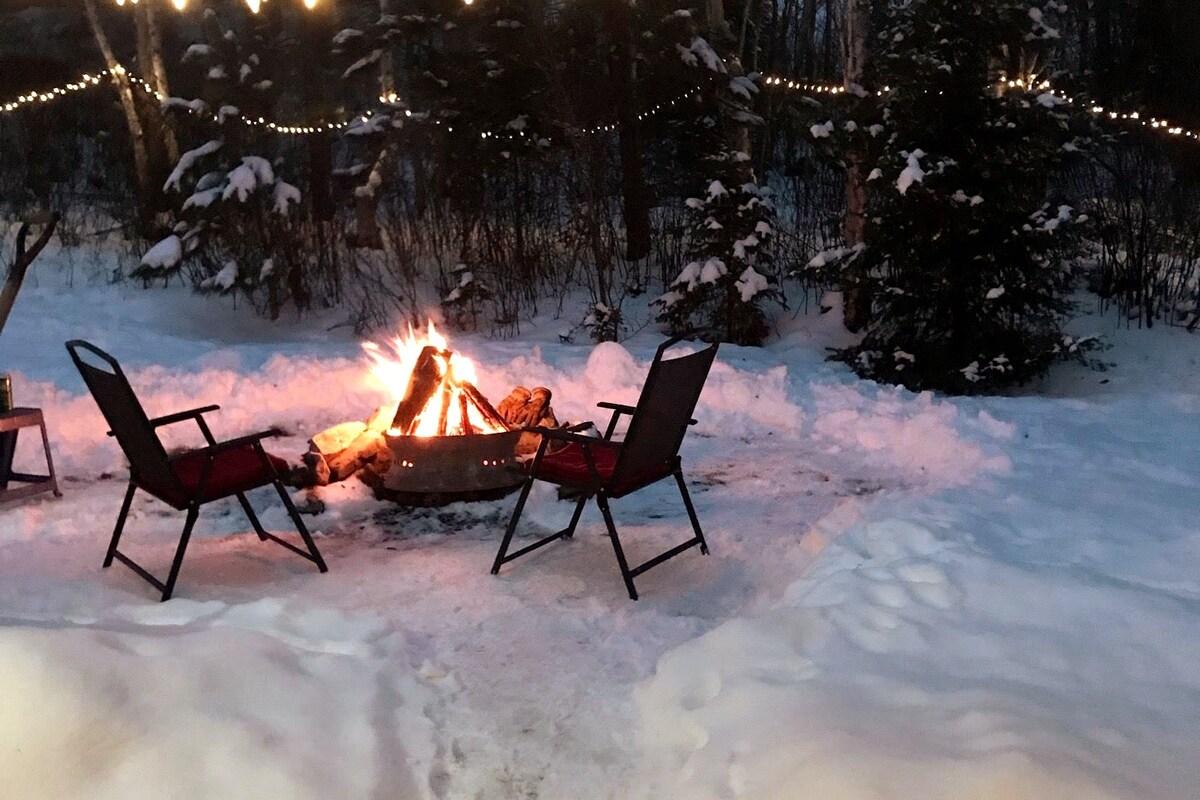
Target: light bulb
{"x":254,"y":5}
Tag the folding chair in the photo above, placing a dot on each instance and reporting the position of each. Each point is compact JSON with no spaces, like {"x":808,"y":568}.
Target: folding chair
{"x":608,"y":469}
{"x":185,"y":481}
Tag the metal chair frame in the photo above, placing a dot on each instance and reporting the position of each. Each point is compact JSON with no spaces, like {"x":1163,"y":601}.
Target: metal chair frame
{"x":136,"y":434}
{"x":664,"y":442}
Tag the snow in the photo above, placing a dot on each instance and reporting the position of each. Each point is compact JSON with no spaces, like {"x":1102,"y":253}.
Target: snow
{"x":712,"y":270}
{"x":821,"y":130}
{"x":165,"y":254}
{"x":912,"y":172}
{"x":224,"y":279}
{"x":744,"y":86}
{"x":255,"y":171}
{"x":195,"y":106}
{"x":750,"y":283}
{"x":284,"y":194}
{"x":187,"y":161}
{"x":261,"y":168}
{"x":203,"y":198}
{"x":345,"y":35}
{"x":704,"y":51}
{"x":908,"y":596}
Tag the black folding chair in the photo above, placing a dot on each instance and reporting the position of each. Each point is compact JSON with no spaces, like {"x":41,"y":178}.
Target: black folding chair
{"x":188,"y":480}
{"x":607,"y":469}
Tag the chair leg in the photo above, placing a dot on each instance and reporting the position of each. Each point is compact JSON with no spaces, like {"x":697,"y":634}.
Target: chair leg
{"x":249,"y":509}
{"x":687,"y":501}
{"x":315,"y":554}
{"x":169,"y":587}
{"x":116,"y":537}
{"x":602,"y":501}
{"x":569,"y":531}
{"x":512,"y":526}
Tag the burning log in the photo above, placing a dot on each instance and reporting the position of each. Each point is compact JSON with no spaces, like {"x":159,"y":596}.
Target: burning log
{"x":445,"y":400}
{"x":464,"y":412}
{"x":425,"y":379}
{"x":490,"y":415}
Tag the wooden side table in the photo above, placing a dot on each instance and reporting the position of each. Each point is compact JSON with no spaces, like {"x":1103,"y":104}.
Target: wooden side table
{"x":11,"y":422}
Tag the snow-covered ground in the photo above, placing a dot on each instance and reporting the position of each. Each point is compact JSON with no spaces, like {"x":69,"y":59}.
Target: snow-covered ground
{"x":908,"y":596}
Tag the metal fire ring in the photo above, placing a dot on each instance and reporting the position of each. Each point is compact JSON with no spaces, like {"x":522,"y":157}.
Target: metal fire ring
{"x":436,"y":470}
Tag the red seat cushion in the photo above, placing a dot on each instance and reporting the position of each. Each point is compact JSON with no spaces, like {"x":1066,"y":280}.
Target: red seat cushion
{"x":569,"y":466}
{"x":236,"y":470}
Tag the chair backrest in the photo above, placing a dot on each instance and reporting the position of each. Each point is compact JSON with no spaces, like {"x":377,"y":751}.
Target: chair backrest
{"x":664,"y":409}
{"x":124,"y":414}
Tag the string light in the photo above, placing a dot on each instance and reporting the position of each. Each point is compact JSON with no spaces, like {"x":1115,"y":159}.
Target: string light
{"x":1031,"y":83}
{"x":253,"y":5}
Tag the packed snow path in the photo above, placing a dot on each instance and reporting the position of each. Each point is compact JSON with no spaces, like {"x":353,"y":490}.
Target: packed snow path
{"x":908,"y":597}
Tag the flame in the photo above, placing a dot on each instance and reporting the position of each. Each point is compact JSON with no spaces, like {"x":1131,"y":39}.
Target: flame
{"x":392,"y":365}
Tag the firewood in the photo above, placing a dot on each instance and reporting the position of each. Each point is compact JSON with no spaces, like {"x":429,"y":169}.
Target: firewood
{"x":464,"y":412}
{"x":378,"y":421}
{"x":363,"y":449}
{"x":335,"y":439}
{"x":317,"y":468}
{"x":515,"y":400}
{"x":445,"y":400}
{"x":425,"y":379}
{"x":485,"y":408}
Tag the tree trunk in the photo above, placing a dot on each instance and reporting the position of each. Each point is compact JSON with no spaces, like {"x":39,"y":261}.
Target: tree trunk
{"x":808,"y":38}
{"x":141,"y":161}
{"x":22,"y":260}
{"x":635,"y":195}
{"x":856,"y":289}
{"x":154,"y":70}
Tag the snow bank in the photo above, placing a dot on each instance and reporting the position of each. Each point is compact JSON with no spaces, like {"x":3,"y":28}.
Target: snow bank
{"x":143,"y":711}
{"x":916,"y":437}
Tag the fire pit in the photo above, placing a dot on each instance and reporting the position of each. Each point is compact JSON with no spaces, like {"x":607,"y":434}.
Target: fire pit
{"x":435,"y":470}
{"x":440,"y":440}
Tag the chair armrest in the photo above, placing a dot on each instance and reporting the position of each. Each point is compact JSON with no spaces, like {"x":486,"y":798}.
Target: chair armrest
{"x":242,"y":441}
{"x":180,"y":416}
{"x":567,"y":435}
{"x":620,"y":408}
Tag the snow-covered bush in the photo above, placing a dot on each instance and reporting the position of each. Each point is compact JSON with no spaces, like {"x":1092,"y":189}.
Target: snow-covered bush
{"x":724,"y":287}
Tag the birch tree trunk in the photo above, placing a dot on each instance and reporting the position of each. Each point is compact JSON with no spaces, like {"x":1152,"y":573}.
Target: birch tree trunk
{"x":856,"y":290}
{"x":154,"y":70}
{"x":137,"y":136}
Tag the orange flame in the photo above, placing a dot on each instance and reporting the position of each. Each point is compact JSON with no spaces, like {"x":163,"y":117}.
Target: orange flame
{"x":393,"y":367}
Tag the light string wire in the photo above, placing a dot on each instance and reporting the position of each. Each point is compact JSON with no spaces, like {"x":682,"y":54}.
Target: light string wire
{"x":90,"y":80}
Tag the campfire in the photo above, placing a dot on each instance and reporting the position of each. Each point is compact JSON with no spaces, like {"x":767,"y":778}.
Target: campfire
{"x":434,"y":388}
{"x":437,"y":439}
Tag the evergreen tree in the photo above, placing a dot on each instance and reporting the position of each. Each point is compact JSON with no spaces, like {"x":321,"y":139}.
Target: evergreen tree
{"x":963,"y":247}
{"x":237,"y":228}
{"x":728,"y":277}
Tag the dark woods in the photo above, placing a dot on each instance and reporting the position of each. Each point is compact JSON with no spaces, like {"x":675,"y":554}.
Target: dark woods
{"x":620,"y":164}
